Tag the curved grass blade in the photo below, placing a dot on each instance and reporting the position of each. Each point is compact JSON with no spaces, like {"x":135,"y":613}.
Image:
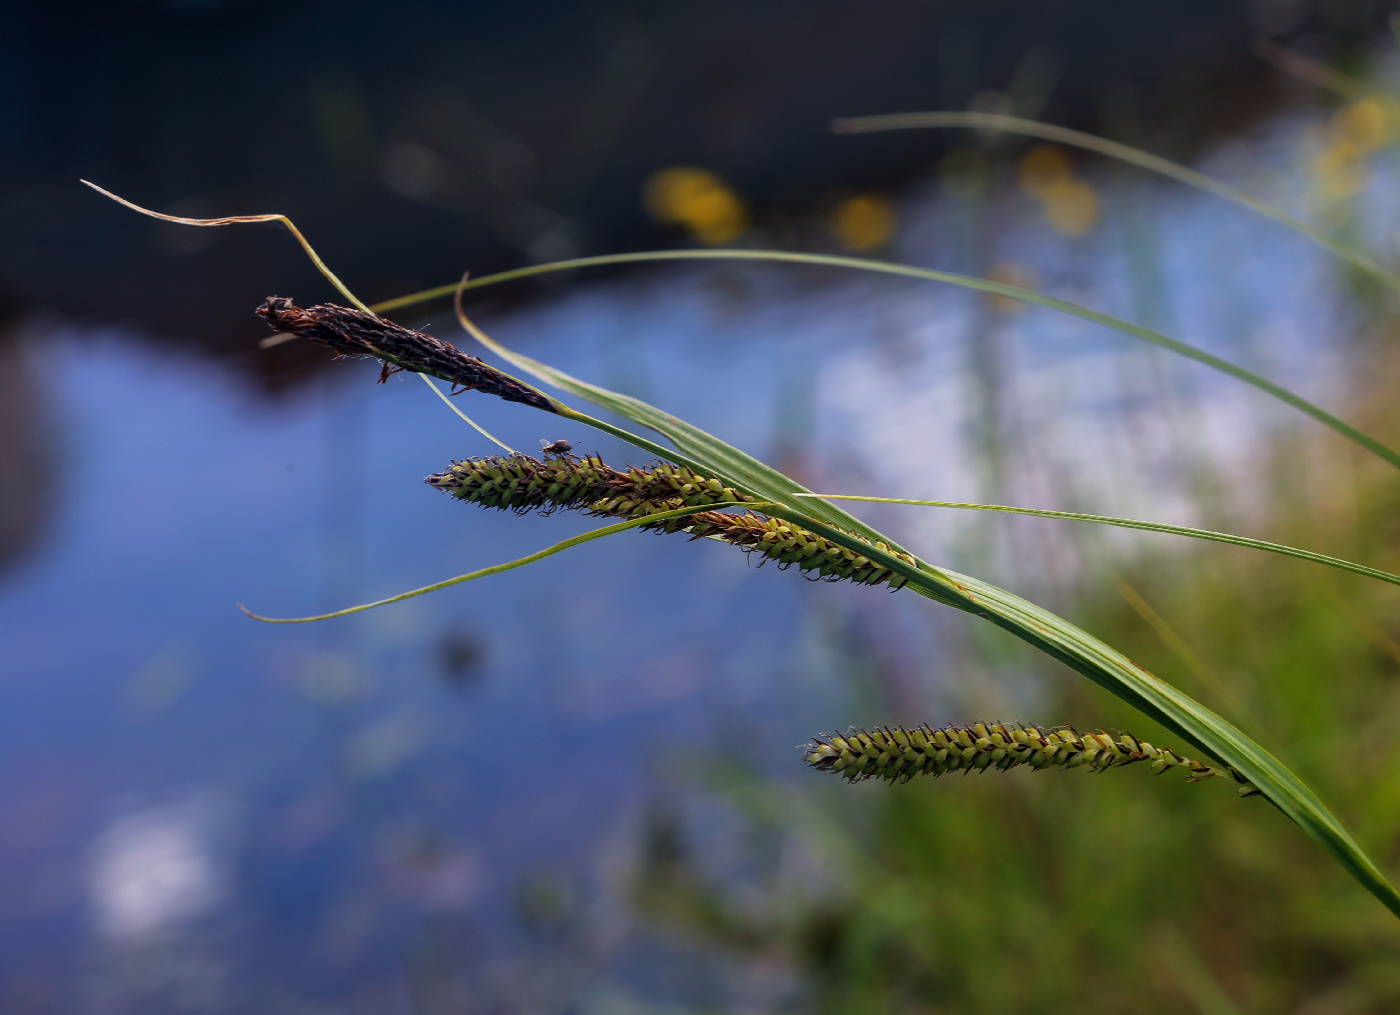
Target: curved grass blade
{"x":1319,"y":74}
{"x":1123,"y":678}
{"x":865,"y":264}
{"x":1124,"y":153}
{"x":1132,"y":523}
{"x":233,"y":220}
{"x":572,"y":541}
{"x":983,"y":285}
{"x":697,"y":449}
{"x":469,"y":421}
{"x":1056,"y":637}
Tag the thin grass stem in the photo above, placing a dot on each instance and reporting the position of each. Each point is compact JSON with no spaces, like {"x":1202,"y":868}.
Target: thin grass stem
{"x":1133,"y":523}
{"x":1124,"y":153}
{"x":928,"y":274}
{"x":1179,"y":647}
{"x":231,"y":220}
{"x":984,"y":285}
{"x":1319,"y":74}
{"x":469,"y":421}
{"x":572,"y":541}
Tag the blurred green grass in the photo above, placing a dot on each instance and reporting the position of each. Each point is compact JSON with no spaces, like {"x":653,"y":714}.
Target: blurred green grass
{"x":1112,"y":892}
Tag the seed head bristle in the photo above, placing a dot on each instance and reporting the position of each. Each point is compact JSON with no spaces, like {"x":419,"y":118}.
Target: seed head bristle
{"x":896,"y":754}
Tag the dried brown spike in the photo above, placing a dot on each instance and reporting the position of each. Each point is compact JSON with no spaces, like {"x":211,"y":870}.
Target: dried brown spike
{"x":354,"y":331}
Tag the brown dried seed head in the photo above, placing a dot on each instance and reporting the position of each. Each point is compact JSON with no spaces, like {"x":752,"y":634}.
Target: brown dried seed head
{"x":356,"y":332}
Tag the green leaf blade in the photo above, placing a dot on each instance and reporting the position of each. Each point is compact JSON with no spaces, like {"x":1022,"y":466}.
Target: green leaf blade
{"x":1123,"y":153}
{"x":1133,"y":523}
{"x":928,"y":274}
{"x":1149,"y":694}
{"x":1053,"y":635}
{"x":1185,"y":717}
{"x":549,"y":551}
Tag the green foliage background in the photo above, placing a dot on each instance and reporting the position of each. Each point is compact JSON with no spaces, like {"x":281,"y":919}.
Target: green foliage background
{"x":1063,"y":892}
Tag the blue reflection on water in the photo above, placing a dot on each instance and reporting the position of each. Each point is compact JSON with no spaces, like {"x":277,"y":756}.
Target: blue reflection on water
{"x":290,"y":796}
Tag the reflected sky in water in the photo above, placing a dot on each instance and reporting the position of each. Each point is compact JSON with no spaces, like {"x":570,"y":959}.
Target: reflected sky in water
{"x":300,"y":795}
{"x":209,"y":814}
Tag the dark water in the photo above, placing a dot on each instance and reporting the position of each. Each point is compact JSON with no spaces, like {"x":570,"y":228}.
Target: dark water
{"x":434,"y":806}
{"x":419,"y":138}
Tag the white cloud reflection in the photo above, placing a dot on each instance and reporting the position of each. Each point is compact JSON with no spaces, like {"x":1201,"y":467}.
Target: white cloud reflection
{"x":154,"y":869}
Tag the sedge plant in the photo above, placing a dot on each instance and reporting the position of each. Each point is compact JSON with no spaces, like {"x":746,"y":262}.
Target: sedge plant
{"x":706,"y":488}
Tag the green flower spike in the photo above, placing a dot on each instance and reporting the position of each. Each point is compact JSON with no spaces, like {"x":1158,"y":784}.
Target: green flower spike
{"x":896,"y":754}
{"x":520,"y":483}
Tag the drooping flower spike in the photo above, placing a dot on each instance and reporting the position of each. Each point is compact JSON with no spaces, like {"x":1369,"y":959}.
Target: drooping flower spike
{"x":896,"y":754}
{"x":520,"y":483}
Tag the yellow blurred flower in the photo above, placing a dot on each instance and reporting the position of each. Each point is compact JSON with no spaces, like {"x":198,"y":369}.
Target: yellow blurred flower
{"x":1337,"y":172}
{"x":1357,"y":130}
{"x":1071,"y":205}
{"x":1010,"y":274}
{"x":1041,"y":168}
{"x":1366,"y":125}
{"x":863,"y":223}
{"x":699,"y":201}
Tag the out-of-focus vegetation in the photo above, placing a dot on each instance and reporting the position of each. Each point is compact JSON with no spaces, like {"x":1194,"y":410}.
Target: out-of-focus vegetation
{"x":1029,"y":890}
{"x":1005,"y":892}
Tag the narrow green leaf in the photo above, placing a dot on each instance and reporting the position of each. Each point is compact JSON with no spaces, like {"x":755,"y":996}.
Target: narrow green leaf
{"x":698,"y":449}
{"x":1124,"y":153}
{"x":1132,"y":523}
{"x":572,"y":541}
{"x":467,"y":419}
{"x":1120,"y":676}
{"x":1056,"y":637}
{"x":982,"y":285}
{"x":1321,"y":75}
